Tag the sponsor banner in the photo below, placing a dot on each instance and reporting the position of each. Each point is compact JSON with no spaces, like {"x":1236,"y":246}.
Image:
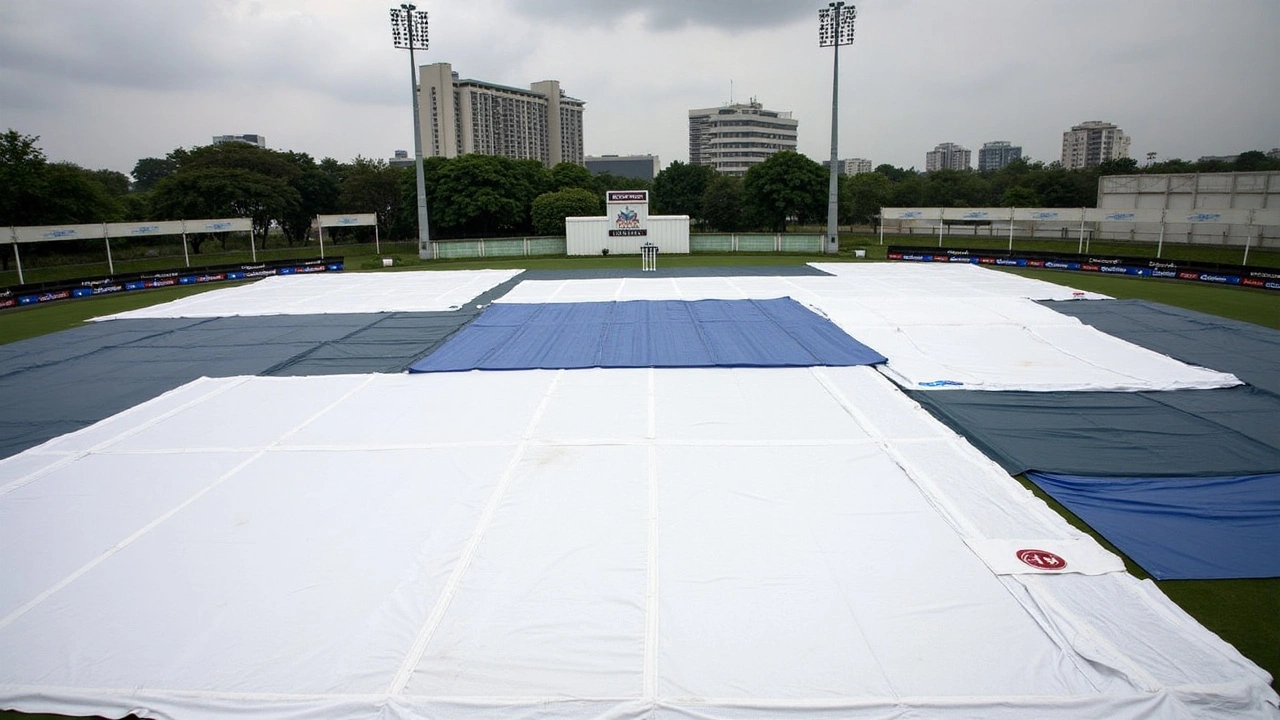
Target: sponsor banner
{"x":144,"y":229}
{"x":37,"y":293}
{"x":628,"y":212}
{"x":348,"y":220}
{"x":1254,"y":277}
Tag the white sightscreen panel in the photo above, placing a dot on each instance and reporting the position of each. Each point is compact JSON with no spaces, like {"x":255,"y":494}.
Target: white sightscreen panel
{"x":1053,"y":215}
{"x":43,"y":233}
{"x":351,"y":220}
{"x":219,"y":225}
{"x":1269,"y":217}
{"x":780,"y":543}
{"x":145,"y":229}
{"x":1106,"y":216}
{"x":911,"y":213}
{"x":975,"y":213}
{"x":333,"y":293}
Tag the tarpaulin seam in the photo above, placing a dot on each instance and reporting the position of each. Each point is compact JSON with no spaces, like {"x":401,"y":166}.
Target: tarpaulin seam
{"x":223,"y":386}
{"x":90,"y":565}
{"x":419,"y":647}
{"x":651,"y":600}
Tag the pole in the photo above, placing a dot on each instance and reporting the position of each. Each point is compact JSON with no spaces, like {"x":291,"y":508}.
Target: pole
{"x":1010,"y":231}
{"x":1248,"y":237}
{"x":18,"y":259}
{"x":424,"y":232}
{"x":1080,"y":248}
{"x":1160,"y":242}
{"x":377,"y":243}
{"x":833,"y":189}
{"x":882,"y":227}
{"x":253,"y":246}
{"x":186,"y":257}
{"x":111,"y":266}
{"x":320,"y":231}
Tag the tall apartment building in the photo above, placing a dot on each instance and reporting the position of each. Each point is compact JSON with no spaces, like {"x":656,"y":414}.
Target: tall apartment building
{"x":948,"y":156}
{"x":1093,"y":143}
{"x":463,"y":116}
{"x":734,"y":137}
{"x":249,"y":139}
{"x":852,"y":166}
{"x":995,"y":155}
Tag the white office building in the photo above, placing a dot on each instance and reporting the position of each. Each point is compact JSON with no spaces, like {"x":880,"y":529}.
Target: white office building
{"x":1092,"y":143}
{"x":948,"y":156}
{"x":732,"y":138}
{"x":248,"y":139}
{"x":462,"y":116}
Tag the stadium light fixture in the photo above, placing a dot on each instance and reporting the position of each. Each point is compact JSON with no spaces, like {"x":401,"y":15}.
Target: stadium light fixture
{"x":409,"y":32}
{"x":835,"y":28}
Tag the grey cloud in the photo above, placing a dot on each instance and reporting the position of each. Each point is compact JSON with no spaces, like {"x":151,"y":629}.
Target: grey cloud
{"x":659,"y":15}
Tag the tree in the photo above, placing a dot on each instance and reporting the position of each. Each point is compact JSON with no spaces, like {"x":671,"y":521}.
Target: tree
{"x":678,"y":189}
{"x":723,"y":206}
{"x":571,"y":175}
{"x":74,"y":195}
{"x":606,"y":181}
{"x":786,"y":185}
{"x":211,"y":192}
{"x":550,"y":209}
{"x":1020,"y":197}
{"x":148,"y":172}
{"x":114,"y":182}
{"x":956,"y":188}
{"x":864,"y":194}
{"x":318,"y":192}
{"x":22,"y":179}
{"x":372,"y":186}
{"x":482,"y":194}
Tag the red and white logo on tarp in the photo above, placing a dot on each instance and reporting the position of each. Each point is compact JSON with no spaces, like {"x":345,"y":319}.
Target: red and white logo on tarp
{"x":1042,"y":559}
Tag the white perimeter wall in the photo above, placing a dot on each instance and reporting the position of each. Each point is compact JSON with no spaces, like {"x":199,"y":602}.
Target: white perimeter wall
{"x":590,"y":235}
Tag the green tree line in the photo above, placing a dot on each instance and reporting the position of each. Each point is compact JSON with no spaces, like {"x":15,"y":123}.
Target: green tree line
{"x":482,"y":195}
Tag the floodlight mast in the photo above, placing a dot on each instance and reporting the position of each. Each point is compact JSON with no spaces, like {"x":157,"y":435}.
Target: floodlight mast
{"x":835,"y":28}
{"x":409,"y":31}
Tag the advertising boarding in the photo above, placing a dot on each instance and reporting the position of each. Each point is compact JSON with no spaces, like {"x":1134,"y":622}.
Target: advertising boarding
{"x":628,"y":212}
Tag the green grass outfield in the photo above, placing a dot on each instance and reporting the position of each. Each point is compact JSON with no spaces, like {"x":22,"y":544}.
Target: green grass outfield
{"x":1245,"y":613}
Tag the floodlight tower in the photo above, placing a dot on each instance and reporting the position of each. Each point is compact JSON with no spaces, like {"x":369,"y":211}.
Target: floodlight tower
{"x":409,"y":32}
{"x":835,"y":28}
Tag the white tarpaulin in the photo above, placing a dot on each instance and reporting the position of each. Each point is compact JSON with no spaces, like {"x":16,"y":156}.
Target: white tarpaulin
{"x":333,"y":293}
{"x":847,"y":280}
{"x":705,"y":543}
{"x":1006,"y":344}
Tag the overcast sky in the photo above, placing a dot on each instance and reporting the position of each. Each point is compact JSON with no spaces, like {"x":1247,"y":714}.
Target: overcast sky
{"x":105,"y":82}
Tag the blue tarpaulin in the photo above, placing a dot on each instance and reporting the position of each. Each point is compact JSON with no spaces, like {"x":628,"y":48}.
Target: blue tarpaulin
{"x":644,"y":333}
{"x":1191,"y":528}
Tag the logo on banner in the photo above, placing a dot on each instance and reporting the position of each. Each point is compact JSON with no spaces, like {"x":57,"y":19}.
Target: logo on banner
{"x":1203,"y":217}
{"x":629,"y":210}
{"x":1121,"y":216}
{"x":1042,"y":559}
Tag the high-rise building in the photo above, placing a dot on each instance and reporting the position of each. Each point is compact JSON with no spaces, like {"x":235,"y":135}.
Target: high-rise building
{"x":857,"y":166}
{"x":948,"y":156}
{"x":640,"y":167}
{"x":995,"y":155}
{"x":258,"y":140}
{"x":852,"y":166}
{"x":732,"y":138}
{"x":1093,"y":143}
{"x":463,"y":116}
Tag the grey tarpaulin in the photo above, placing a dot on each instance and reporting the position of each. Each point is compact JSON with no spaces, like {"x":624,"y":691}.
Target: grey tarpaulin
{"x":1231,"y":431}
